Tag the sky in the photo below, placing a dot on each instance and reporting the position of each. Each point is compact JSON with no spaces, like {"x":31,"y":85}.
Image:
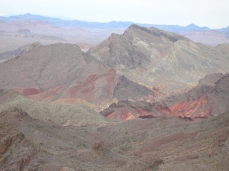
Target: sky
{"x":210,"y":13}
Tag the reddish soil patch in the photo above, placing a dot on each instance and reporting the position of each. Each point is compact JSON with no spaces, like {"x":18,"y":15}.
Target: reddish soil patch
{"x":96,"y":88}
{"x":189,"y":109}
{"x":30,"y":91}
{"x":198,"y":108}
{"x":46,"y":95}
{"x":127,"y":114}
{"x":125,"y":110}
{"x":123,"y":115}
{"x":27,"y":91}
{"x":89,"y":81}
{"x":110,"y":82}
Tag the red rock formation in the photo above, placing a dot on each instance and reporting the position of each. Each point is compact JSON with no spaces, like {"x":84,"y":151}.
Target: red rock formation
{"x":206,"y":100}
{"x":27,"y":91}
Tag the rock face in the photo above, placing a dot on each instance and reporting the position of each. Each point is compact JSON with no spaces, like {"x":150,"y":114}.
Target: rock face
{"x":30,"y":144}
{"x":161,"y":59}
{"x":15,"y":152}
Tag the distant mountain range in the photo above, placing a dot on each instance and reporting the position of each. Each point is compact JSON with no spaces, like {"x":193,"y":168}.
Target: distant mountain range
{"x":98,"y":31}
{"x":101,"y":25}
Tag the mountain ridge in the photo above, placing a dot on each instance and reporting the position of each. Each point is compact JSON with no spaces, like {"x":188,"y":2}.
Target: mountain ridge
{"x":159,"y":58}
{"x":101,"y":30}
{"x":37,"y":75}
{"x":85,"y":24}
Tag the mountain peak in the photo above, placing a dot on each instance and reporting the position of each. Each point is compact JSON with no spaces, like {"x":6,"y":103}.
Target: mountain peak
{"x":144,"y":29}
{"x":195,"y":27}
{"x":157,"y":33}
{"x":134,"y":26}
{"x":27,"y":14}
{"x":192,"y":25}
{"x":36,"y":44}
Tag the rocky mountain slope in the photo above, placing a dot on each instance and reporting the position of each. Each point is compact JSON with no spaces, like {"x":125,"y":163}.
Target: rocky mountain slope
{"x":208,"y":99}
{"x":163,"y":143}
{"x":63,"y":73}
{"x":161,"y":59}
{"x":62,"y":114}
{"x":169,"y":144}
{"x":31,"y":144}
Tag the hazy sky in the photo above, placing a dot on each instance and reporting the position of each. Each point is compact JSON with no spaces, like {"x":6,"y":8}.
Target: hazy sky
{"x":211,"y":13}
